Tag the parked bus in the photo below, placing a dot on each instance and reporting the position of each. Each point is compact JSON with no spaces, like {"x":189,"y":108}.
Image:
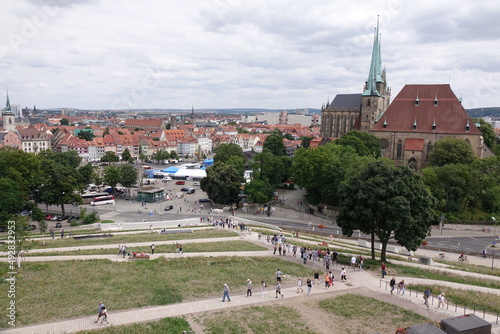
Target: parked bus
{"x":89,"y":197}
{"x":102,"y":200}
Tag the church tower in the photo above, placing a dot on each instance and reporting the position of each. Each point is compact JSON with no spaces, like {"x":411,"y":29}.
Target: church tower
{"x":376,"y":94}
{"x":8,"y":117}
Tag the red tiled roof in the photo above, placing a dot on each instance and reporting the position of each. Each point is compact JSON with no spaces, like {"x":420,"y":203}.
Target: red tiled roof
{"x":413,"y":144}
{"x":448,"y":115}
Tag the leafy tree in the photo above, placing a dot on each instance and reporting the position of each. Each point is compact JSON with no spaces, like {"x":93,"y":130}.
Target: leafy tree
{"x":62,"y":181}
{"x":225,"y":151}
{"x":364,"y":143}
{"x":321,"y":170}
{"x":238,"y":163}
{"x":260,"y":191}
{"x":451,"y":185}
{"x":173,"y":155}
{"x":274,"y":143}
{"x":64,"y":121}
{"x":242,"y":130}
{"x":120,"y":133}
{"x":112,"y":176}
{"x":86,"y":173}
{"x":451,"y":151}
{"x":109,"y":156}
{"x":160,"y":155}
{"x":126,"y":156}
{"x":222,"y":183}
{"x":305,"y":141}
{"x":128,"y":175}
{"x":268,"y":167}
{"x":387,"y":202}
{"x":12,"y":200}
{"x":143,"y":157}
{"x":288,"y":136}
{"x":487,"y":131}
{"x":87,"y":135}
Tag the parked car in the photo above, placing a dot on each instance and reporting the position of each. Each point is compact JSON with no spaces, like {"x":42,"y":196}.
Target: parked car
{"x":61,"y":218}
{"x":185,"y":189}
{"x":196,"y":183}
{"x":180,"y":182}
{"x":203,"y":200}
{"x":70,"y":219}
{"x":190,"y":191}
{"x":54,"y":218}
{"x":169,"y":207}
{"x":48,"y":217}
{"x":58,"y":225}
{"x":24,"y":213}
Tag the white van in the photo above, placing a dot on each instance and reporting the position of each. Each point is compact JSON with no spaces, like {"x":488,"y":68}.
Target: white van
{"x":217,"y":210}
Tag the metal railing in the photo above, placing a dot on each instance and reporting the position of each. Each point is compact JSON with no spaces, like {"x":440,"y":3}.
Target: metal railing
{"x":448,"y":303}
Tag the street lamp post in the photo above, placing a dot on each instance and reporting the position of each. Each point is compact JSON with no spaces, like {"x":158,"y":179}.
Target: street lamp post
{"x":493,"y":245}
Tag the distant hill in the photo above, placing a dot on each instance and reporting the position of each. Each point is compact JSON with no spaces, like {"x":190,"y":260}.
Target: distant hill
{"x":483,"y":112}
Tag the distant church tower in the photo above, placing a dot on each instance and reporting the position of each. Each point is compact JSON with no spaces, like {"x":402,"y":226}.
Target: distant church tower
{"x":376,"y":94}
{"x":8,"y":117}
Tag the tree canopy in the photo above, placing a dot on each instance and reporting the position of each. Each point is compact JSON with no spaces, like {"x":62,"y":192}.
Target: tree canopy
{"x":88,"y":135}
{"x":365,"y":144}
{"x":222,"y":183}
{"x":225,"y":151}
{"x":451,"y":151}
{"x":274,"y":143}
{"x":387,"y":202}
{"x":110,"y":156}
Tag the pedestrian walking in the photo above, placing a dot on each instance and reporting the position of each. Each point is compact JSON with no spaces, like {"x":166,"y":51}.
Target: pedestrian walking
{"x":382,"y":267}
{"x":427,"y":295}
{"x":353,"y":262}
{"x":304,"y":257}
{"x":278,"y":289}
{"x":316,"y":277}
{"x":104,"y":315}
{"x":124,"y":250}
{"x":361,"y":262}
{"x":264,"y":288}
{"x":441,"y":300}
{"x":299,"y":285}
{"x":392,"y":284}
{"x":62,"y":233}
{"x":309,"y":286}
{"x":119,"y":250}
{"x":343,"y":275}
{"x":249,"y":288}
{"x":278,"y":275}
{"x":152,"y":248}
{"x":331,"y":277}
{"x":327,"y":280}
{"x":99,"y":311}
{"x":226,"y":294}
{"x":484,"y":254}
{"x":401,"y":287}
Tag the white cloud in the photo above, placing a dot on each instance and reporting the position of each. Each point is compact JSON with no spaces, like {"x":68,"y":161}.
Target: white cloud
{"x":235,"y":53}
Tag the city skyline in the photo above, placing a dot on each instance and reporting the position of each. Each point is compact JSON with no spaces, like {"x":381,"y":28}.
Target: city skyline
{"x":91,"y":54}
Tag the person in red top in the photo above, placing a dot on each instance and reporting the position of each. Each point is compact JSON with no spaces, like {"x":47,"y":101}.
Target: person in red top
{"x":383,"y":269}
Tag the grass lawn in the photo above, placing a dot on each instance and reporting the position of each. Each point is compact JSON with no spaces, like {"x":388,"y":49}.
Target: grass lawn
{"x":76,"y":286}
{"x":129,"y":238}
{"x":361,"y":314}
{"x":164,"y":326}
{"x":257,"y":319}
{"x":224,"y":246}
{"x":471,"y":298}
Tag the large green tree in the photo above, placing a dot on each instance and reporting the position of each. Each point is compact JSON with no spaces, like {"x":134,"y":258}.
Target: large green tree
{"x":321,"y":170}
{"x":274,"y":143}
{"x":128,"y":175}
{"x":451,"y":151}
{"x":126,"y":156}
{"x":62,"y":181}
{"x":225,"y":151}
{"x":365,"y":144}
{"x":222,"y":183}
{"x":109,"y":156}
{"x":161,"y":155}
{"x":387,"y":202}
{"x":112,"y":176}
{"x":489,"y":135}
{"x":88,"y":135}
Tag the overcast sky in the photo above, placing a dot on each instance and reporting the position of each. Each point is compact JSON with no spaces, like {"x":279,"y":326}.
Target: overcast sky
{"x":283,"y":54}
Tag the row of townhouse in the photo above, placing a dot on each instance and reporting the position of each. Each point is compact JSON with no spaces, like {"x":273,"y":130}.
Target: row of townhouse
{"x":31,"y":139}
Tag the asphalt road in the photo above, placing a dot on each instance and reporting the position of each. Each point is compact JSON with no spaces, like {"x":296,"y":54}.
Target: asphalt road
{"x":475,"y":244}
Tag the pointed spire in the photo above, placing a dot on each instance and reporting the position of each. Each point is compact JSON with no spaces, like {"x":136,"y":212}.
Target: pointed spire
{"x":375,"y":74}
{"x":7,"y":105}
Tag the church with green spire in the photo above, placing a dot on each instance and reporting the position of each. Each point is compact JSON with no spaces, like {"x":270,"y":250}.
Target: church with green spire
{"x":359,"y":111}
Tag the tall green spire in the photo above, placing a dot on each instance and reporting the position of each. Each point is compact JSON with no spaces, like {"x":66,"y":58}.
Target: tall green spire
{"x":7,"y":109}
{"x":375,"y":74}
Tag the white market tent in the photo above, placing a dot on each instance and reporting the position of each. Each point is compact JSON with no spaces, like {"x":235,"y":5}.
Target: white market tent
{"x":193,"y":174}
